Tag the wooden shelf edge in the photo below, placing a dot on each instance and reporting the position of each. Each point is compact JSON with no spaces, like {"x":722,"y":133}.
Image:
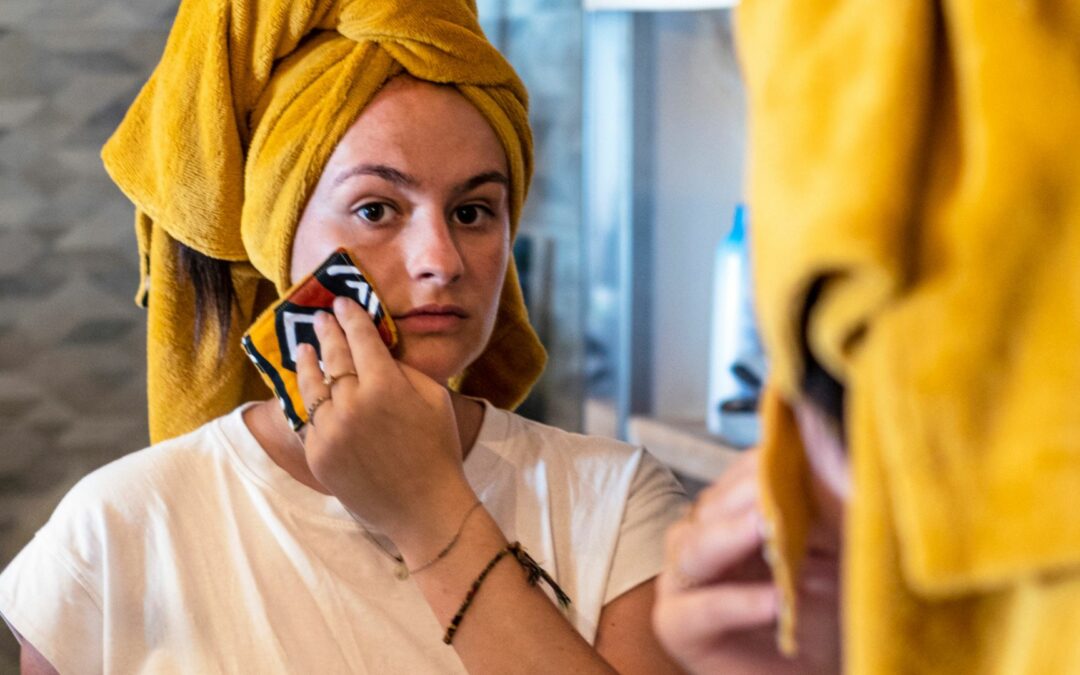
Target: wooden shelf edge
{"x":684,"y":445}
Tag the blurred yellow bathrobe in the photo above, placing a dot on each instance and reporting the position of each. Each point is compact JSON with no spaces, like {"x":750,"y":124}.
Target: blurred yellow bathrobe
{"x":921,"y":160}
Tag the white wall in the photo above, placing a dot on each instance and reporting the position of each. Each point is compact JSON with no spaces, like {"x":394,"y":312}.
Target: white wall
{"x":700,"y":143}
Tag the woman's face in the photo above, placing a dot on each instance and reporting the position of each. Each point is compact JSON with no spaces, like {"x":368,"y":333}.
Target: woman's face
{"x":418,"y":192}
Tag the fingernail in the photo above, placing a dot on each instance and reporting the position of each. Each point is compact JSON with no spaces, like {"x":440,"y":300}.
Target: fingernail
{"x":341,"y":304}
{"x":321,"y":318}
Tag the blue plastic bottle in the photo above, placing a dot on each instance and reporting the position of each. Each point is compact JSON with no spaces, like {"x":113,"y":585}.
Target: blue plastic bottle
{"x":736,"y":362}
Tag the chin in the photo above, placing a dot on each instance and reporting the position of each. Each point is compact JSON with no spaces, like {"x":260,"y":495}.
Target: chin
{"x":439,"y":367}
{"x":441,"y":357}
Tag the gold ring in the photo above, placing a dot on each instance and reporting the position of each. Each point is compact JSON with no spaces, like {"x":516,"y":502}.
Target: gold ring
{"x":315,"y":406}
{"x":329,"y":379}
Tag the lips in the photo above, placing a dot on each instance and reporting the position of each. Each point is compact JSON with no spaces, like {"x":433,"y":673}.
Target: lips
{"x":434,"y":310}
{"x":432,"y":318}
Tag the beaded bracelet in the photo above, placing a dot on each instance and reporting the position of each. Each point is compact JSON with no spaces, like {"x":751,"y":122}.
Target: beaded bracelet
{"x":534,"y":573}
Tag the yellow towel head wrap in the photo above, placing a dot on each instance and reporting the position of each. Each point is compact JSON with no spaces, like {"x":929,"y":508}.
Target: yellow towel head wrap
{"x":225,"y":143}
{"x":918,"y":162}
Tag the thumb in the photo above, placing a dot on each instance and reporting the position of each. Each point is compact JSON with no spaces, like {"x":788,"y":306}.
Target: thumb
{"x":432,"y":392}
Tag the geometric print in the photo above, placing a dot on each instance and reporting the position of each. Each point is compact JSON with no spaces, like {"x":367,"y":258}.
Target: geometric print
{"x":273,"y":340}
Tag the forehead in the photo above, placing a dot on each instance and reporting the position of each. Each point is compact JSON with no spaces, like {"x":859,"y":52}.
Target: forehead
{"x":427,"y":130}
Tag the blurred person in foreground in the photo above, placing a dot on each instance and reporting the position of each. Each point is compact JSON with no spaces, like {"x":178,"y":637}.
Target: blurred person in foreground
{"x":915,"y":189}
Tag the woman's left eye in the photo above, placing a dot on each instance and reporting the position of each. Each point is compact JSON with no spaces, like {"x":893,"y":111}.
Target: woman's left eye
{"x":470,"y":214}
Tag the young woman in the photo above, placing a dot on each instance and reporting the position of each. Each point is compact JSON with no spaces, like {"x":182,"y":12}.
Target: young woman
{"x":243,"y":547}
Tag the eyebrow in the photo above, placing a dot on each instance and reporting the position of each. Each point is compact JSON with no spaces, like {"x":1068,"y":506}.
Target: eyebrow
{"x":387,"y":173}
{"x":392,"y":175}
{"x":482,"y":179}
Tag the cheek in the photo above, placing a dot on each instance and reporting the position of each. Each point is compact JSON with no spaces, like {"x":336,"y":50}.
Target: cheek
{"x":492,"y":271}
{"x":323,"y":227}
{"x":300,"y":258}
{"x":306,"y":246}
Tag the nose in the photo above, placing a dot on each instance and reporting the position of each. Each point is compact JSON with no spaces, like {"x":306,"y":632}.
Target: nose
{"x":433,"y":253}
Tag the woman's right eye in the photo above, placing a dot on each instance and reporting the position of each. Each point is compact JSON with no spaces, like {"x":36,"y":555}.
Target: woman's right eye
{"x":373,"y":212}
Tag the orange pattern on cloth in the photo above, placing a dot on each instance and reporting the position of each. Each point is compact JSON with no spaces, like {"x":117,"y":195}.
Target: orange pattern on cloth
{"x":272,"y":341}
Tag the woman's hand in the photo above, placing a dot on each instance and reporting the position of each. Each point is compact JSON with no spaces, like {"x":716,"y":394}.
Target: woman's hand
{"x":717,"y":608}
{"x":385,"y":441}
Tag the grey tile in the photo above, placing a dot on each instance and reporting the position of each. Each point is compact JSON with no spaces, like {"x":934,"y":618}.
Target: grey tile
{"x":9,"y":653}
{"x":119,"y":278}
{"x":99,"y":61}
{"x":20,"y":449}
{"x":92,"y":101}
{"x":12,"y":410}
{"x":19,"y":202}
{"x":97,"y":331}
{"x":43,"y":476}
{"x":30,"y":285}
{"x":100,"y":440}
{"x":17,"y":110}
{"x":18,"y":251}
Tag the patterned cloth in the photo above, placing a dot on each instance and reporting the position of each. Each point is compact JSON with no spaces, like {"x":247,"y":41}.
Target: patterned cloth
{"x":273,"y":339}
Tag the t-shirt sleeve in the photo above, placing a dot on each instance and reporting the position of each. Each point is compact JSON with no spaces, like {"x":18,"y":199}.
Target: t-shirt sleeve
{"x":655,"y":501}
{"x":47,"y":601}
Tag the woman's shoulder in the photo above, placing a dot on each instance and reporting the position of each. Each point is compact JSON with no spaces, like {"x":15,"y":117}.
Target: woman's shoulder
{"x":610,"y":465}
{"x":129,"y":486}
{"x":538,"y":438}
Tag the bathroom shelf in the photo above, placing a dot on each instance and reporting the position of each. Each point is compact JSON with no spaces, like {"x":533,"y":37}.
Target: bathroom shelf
{"x":657,"y":5}
{"x":683,"y":445}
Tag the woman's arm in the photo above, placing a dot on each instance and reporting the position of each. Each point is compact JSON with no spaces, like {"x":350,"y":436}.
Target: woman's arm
{"x":626,"y":638}
{"x":31,"y":662}
{"x":514,"y":627}
{"x":386,"y":444}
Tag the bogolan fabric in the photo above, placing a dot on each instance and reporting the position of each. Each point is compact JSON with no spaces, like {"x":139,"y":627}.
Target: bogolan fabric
{"x":272,"y":341}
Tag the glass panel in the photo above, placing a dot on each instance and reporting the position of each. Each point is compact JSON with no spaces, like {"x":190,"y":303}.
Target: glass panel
{"x":542,"y":39}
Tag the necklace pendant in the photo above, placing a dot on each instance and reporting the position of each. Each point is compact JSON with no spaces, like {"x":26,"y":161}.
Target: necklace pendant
{"x":401,"y":572}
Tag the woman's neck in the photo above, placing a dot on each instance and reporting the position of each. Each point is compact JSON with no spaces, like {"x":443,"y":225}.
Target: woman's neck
{"x":284,"y":447}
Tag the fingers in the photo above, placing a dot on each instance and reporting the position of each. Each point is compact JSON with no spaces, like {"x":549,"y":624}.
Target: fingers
{"x":707,"y":613}
{"x":705,"y":550}
{"x":723,"y":529}
{"x":347,"y":339}
{"x":715,"y":592}
{"x":431,"y":391}
{"x":735,"y":490}
{"x":336,"y":355}
{"x":370,"y":357}
{"x":313,"y":391}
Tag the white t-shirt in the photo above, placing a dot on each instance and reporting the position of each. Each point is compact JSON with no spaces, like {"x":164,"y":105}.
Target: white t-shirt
{"x":201,"y":555}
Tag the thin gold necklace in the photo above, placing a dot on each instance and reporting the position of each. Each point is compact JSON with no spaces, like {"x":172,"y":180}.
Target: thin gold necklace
{"x":400,"y":570}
